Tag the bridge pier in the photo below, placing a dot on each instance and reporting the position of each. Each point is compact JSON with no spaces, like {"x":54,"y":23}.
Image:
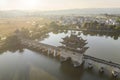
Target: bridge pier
{"x":89,"y":64}
{"x":58,"y":53}
{"x":76,"y":63}
{"x":115,"y":72}
{"x":44,"y":50}
{"x":48,"y":51}
{"x":54,"y":54}
{"x":62,"y":59}
{"x":101,"y":69}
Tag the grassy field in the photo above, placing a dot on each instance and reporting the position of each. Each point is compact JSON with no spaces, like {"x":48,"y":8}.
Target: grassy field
{"x":9,"y":25}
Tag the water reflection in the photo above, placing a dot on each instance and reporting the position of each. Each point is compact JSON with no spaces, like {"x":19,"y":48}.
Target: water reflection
{"x":31,"y":65}
{"x":18,"y":63}
{"x":12,"y":43}
{"x":68,"y":69}
{"x":13,"y":67}
{"x":114,"y":35}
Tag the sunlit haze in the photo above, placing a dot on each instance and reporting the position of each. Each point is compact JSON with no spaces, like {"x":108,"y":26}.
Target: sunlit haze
{"x":56,"y":4}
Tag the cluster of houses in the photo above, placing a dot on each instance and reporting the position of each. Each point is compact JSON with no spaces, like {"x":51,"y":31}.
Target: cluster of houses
{"x":68,"y":20}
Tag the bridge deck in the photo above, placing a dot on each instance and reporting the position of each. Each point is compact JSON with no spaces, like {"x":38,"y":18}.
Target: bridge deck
{"x":102,"y":61}
{"x":37,"y":44}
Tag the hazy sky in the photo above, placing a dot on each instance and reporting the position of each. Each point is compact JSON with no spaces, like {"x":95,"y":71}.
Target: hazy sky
{"x":56,"y":4}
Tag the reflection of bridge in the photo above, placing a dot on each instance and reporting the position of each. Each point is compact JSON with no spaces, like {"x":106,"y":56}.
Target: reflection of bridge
{"x":76,"y":58}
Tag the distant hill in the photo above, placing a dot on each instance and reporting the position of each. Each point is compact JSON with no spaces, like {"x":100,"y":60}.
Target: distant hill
{"x":18,"y":13}
{"x":87,"y":11}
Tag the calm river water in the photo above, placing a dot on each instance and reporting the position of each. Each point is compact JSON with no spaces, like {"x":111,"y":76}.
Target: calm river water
{"x":32,"y":65}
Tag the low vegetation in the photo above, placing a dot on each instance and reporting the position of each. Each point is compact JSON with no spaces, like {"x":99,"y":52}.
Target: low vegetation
{"x":9,"y":25}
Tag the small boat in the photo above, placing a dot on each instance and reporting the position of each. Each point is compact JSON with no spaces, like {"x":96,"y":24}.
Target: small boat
{"x":62,"y":59}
